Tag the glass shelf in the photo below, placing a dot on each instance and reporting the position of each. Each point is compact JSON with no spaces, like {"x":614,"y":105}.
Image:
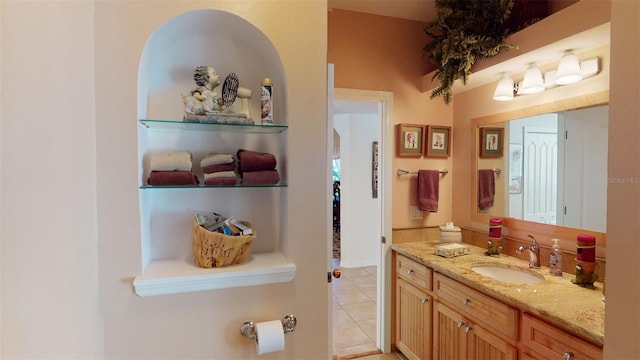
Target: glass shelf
{"x":188,"y":125}
{"x":149,"y":187}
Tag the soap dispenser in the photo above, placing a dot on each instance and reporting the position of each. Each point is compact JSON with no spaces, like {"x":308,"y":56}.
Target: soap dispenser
{"x":555,"y":259}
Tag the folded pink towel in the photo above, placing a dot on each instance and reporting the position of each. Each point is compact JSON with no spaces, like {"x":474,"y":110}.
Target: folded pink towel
{"x":266,"y":177}
{"x":428,"y":190}
{"x":221,"y":167}
{"x":172,"y":178}
{"x":220,"y":181}
{"x":255,"y":161}
{"x":486,"y":188}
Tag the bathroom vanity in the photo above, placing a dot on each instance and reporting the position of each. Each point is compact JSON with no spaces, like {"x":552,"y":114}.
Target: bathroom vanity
{"x":444,"y":310}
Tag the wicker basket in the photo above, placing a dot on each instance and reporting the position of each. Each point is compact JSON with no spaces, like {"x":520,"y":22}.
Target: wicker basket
{"x":213,"y":249}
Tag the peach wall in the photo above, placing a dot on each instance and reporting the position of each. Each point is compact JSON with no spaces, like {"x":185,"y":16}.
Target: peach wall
{"x":381,"y":53}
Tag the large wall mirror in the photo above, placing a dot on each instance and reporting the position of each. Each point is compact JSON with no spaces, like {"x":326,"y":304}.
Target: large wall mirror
{"x":552,"y":167}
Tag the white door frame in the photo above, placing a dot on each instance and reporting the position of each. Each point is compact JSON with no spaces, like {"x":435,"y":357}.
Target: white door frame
{"x":384,"y":100}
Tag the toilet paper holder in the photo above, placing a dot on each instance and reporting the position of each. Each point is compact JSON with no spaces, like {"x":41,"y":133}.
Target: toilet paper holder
{"x":248,"y":328}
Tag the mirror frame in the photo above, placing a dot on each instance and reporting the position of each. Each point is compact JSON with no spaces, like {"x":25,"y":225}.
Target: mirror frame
{"x":520,"y":228}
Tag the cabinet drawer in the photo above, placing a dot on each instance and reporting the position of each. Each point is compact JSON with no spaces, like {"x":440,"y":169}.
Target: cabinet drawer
{"x":553,"y":343}
{"x":413,"y":272}
{"x":473,"y":304}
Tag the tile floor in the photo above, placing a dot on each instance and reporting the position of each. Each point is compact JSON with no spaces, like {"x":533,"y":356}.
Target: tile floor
{"x":354,"y":311}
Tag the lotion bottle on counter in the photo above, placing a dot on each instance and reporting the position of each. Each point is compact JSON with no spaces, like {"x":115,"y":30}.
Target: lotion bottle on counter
{"x":555,"y":259}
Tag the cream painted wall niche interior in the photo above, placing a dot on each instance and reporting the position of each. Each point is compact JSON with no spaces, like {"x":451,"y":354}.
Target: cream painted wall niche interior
{"x":230,"y":44}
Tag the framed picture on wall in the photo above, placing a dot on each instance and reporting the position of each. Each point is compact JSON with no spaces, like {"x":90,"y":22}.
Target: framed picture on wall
{"x":491,"y":142}
{"x":410,"y":140}
{"x":438,"y":141}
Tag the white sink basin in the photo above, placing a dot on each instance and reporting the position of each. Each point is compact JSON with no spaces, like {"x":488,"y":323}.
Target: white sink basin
{"x":508,"y":274}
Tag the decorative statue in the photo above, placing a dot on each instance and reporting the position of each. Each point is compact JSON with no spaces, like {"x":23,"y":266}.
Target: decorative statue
{"x":205,"y":105}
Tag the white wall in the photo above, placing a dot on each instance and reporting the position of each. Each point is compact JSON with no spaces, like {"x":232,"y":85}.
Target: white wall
{"x":360,"y":221}
{"x":69,"y":142}
{"x":48,"y":182}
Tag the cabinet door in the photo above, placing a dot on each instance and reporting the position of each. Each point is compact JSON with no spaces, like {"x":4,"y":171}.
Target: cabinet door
{"x":413,"y":321}
{"x":455,"y":337}
{"x":449,"y":340}
{"x":553,"y":343}
{"x":481,"y":344}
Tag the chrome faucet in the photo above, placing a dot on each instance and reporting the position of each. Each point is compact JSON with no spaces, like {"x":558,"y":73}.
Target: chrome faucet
{"x":534,"y":253}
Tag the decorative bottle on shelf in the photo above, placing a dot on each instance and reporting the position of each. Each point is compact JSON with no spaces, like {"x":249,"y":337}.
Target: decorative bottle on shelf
{"x":555,"y":259}
{"x":266,"y":101}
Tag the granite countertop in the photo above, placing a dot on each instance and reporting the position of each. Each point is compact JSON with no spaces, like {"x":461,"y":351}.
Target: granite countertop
{"x":571,"y":307}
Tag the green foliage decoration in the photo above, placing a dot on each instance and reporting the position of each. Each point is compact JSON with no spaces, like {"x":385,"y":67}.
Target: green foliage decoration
{"x":464,"y":31}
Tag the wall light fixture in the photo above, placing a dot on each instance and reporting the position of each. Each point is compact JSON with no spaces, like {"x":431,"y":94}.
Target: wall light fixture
{"x":535,"y":81}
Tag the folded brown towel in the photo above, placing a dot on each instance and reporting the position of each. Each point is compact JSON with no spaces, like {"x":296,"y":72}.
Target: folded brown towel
{"x":221,"y":167}
{"x":428,"y":190}
{"x":266,"y":177}
{"x":486,"y":188}
{"x":255,"y":161}
{"x":220,"y":181}
{"x":172,"y":178}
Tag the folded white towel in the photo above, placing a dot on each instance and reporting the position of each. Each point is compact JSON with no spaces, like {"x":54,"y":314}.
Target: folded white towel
{"x":219,"y":174}
{"x":216,"y":159}
{"x":171,"y":161}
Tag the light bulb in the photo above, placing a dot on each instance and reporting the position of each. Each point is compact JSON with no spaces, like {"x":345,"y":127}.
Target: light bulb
{"x":504,"y":90}
{"x":568,"y":70}
{"x":532,"y":82}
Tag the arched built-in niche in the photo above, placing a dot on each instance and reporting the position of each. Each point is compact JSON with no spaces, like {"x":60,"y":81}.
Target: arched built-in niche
{"x":229,"y":44}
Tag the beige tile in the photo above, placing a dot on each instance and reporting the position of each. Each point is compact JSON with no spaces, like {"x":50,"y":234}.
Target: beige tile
{"x":369,"y":328}
{"x":371,"y":292}
{"x":364,"y":281}
{"x":340,"y":317}
{"x":348,"y":335}
{"x":351,"y":296}
{"x":354,"y":272}
{"x":373,"y":270}
{"x":361,"y":311}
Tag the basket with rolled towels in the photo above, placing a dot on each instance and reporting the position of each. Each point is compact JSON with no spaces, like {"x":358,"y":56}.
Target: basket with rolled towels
{"x":219,"y":169}
{"x":172,"y":168}
{"x":257,"y":168}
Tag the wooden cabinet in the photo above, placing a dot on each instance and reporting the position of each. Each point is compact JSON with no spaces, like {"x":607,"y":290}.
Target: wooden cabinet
{"x":437,"y":317}
{"x":413,"y":308}
{"x":491,"y":313}
{"x":544,"y":341}
{"x":471,"y":325}
{"x":413,"y":321}
{"x":457,"y":337}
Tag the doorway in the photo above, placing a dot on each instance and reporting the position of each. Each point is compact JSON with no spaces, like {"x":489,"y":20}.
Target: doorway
{"x":362,"y":118}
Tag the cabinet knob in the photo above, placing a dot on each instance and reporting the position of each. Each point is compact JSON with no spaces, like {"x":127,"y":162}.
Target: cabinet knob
{"x":424,"y":300}
{"x":568,"y":355}
{"x":409,"y":272}
{"x":467,"y":329}
{"x":459,"y":324}
{"x":466,"y":302}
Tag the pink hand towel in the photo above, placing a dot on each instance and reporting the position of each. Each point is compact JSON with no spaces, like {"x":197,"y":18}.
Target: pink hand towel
{"x":266,"y":177}
{"x":255,"y":161}
{"x":486,"y":188}
{"x":172,"y":178}
{"x":428,"y":190}
{"x":219,"y":167}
